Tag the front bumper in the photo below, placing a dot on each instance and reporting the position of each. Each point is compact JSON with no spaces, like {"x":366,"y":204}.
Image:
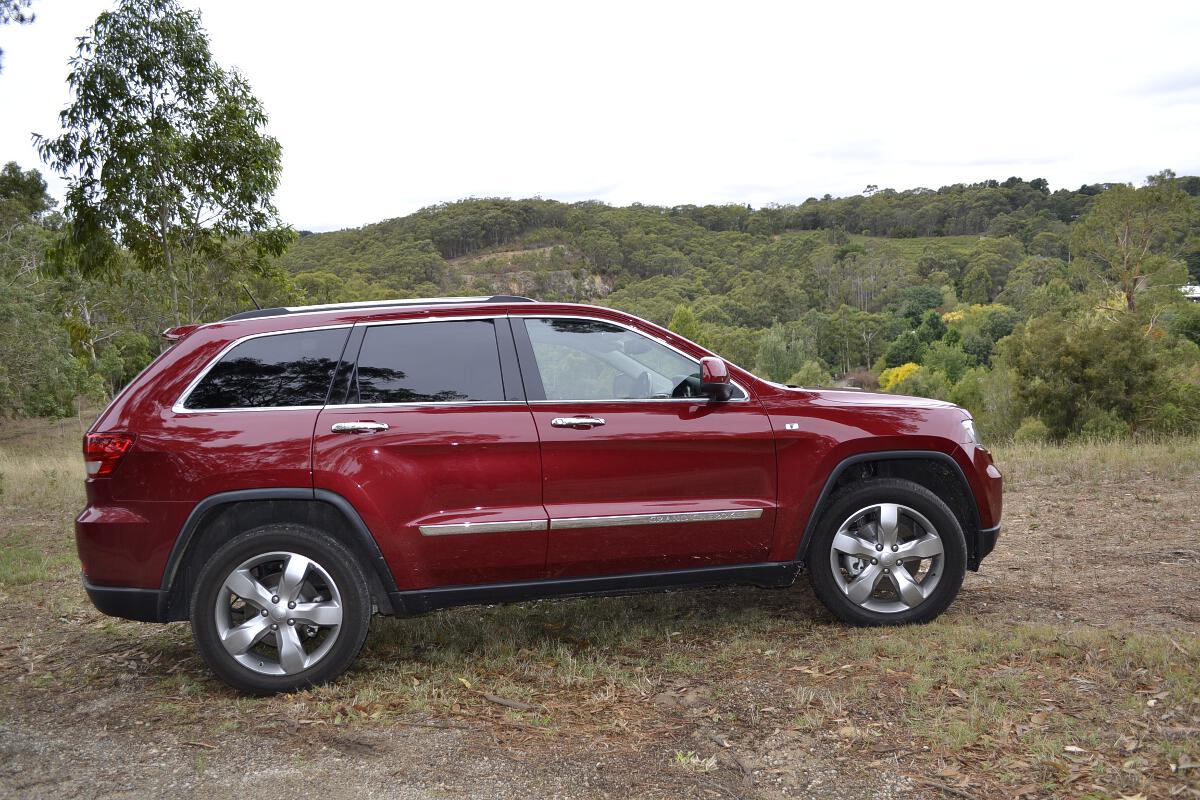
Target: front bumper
{"x":979,"y":544}
{"x":142,"y":605}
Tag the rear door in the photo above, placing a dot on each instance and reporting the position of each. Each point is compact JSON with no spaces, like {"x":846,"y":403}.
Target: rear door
{"x":640,"y":473}
{"x":434,"y":444}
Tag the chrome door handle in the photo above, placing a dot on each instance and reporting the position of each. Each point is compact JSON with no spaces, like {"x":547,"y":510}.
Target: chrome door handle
{"x":358,"y":427}
{"x":577,"y":422}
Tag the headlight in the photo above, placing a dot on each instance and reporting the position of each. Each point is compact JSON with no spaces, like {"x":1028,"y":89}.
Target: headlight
{"x":972,"y":435}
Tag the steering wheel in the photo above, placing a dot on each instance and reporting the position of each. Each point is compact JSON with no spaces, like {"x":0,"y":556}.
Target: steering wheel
{"x":686,"y":386}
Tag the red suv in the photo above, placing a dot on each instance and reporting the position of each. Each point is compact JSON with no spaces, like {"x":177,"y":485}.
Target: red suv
{"x":281,"y":475}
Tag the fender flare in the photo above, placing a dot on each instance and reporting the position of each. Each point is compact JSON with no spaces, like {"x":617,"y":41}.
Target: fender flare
{"x":886,"y":455}
{"x":357,"y":528}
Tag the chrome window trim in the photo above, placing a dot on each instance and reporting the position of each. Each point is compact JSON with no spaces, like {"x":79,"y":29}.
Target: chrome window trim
{"x":420,"y":404}
{"x":573,"y":523}
{"x":460,"y":528}
{"x":180,"y":405}
{"x":652,"y":338}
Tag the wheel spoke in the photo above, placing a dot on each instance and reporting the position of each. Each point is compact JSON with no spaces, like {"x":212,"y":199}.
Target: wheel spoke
{"x":889,"y":523}
{"x":247,"y":587}
{"x":292,"y":657}
{"x":293,"y":576}
{"x":240,"y":639}
{"x":909,"y":590}
{"x":852,"y":545}
{"x":927,"y":546}
{"x":325,"y":614}
{"x":861,"y":588}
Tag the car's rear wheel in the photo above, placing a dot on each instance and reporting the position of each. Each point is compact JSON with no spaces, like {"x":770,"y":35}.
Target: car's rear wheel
{"x":280,"y":608}
{"x":887,"y":552}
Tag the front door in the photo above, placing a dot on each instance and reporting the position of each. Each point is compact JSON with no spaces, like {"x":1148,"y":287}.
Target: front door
{"x":434,"y":445}
{"x":639,"y":472}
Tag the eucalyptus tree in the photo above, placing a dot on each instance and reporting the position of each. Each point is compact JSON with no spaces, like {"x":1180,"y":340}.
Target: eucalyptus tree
{"x":1131,"y":235}
{"x":165,"y":154}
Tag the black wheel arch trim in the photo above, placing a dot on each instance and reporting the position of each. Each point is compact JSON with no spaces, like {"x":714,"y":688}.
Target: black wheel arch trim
{"x":209,"y":504}
{"x":973,"y":536}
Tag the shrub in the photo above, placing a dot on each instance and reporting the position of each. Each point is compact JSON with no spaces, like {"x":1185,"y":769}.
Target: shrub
{"x":1103,"y":425}
{"x":1032,"y":431}
{"x":890,"y":377}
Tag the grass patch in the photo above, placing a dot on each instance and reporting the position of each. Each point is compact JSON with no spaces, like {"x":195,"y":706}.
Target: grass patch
{"x":1092,"y":461}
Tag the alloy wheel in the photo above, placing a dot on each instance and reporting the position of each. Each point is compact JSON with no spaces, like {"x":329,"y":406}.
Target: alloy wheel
{"x":278,"y":613}
{"x":887,"y":558}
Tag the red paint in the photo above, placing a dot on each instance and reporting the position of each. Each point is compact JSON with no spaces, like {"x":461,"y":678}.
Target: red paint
{"x":657,"y":457}
{"x":440,"y":465}
{"x":503,"y":462}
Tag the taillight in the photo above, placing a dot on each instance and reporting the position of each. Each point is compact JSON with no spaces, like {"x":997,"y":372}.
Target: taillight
{"x":103,"y":451}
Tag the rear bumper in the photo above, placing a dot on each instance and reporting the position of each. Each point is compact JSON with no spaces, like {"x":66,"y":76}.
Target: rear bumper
{"x":979,"y":544}
{"x":142,"y":605}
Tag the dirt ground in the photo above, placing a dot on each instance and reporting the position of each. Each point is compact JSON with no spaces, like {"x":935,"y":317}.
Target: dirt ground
{"x":1068,"y":667}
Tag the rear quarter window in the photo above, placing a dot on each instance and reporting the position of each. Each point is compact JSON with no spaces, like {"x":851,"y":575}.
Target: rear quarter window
{"x":273,"y":371}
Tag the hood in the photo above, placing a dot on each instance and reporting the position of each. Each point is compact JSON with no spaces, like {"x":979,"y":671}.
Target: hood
{"x":838,"y":397}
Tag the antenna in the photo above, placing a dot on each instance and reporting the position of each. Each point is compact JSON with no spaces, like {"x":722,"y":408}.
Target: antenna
{"x":251,"y":296}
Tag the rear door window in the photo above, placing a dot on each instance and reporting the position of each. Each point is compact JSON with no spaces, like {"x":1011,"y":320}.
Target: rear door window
{"x":281,"y":370}
{"x":455,"y":361}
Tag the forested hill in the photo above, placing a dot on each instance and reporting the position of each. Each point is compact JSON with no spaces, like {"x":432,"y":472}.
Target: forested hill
{"x":1048,"y":314}
{"x":912,"y":288}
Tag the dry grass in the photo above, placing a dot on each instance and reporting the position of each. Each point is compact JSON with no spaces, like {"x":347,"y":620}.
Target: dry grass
{"x":1166,"y":459}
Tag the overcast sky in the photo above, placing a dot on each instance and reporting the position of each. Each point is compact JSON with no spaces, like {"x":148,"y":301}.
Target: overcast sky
{"x":383,"y":108}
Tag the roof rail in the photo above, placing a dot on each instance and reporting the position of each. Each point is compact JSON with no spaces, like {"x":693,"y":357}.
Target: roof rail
{"x":366,"y":304}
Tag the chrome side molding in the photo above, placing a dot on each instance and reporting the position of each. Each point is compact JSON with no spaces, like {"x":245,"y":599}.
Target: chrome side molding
{"x":569,"y":523}
{"x":459,"y":528}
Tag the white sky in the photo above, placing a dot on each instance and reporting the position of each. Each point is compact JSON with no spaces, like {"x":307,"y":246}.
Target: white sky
{"x":383,"y":108}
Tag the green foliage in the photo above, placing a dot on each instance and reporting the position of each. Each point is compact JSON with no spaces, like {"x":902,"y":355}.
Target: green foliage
{"x":906,"y":348}
{"x":977,"y":285}
{"x":1032,"y":431}
{"x":684,"y":322}
{"x":948,"y":359}
{"x":1091,"y":376}
{"x":932,"y":327}
{"x":812,"y":375}
{"x":780,"y":354}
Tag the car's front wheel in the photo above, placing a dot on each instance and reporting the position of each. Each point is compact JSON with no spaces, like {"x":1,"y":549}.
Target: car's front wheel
{"x":280,"y":608}
{"x":887,"y":552}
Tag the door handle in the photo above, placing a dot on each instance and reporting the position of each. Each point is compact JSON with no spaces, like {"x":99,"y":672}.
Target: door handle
{"x":576,"y":422}
{"x":358,"y":427}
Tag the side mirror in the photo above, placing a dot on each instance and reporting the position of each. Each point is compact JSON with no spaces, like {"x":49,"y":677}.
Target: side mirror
{"x":714,"y":379}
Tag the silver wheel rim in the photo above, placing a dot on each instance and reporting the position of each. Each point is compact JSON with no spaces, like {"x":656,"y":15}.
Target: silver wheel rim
{"x":887,"y":558}
{"x":278,"y":613}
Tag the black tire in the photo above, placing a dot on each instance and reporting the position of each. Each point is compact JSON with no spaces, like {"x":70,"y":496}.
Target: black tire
{"x":844,"y":505}
{"x":337,"y":563}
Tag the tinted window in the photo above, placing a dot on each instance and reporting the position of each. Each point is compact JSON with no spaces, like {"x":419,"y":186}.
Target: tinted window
{"x":592,"y":360}
{"x":287,"y":369}
{"x":429,"y":362}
